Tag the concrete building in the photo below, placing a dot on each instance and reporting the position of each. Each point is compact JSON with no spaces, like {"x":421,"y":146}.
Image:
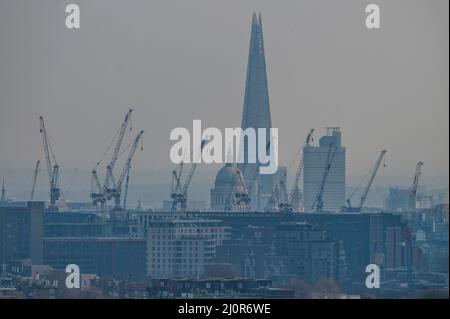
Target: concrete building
{"x":115,"y":257}
{"x":398,"y":199}
{"x":364,"y":235}
{"x":424,"y":201}
{"x":21,"y":233}
{"x":182,"y":247}
{"x":310,"y":255}
{"x":248,"y":251}
{"x":283,"y":251}
{"x":86,"y":224}
{"x":191,"y":205}
{"x":315,"y":161}
{"x":73,"y":225}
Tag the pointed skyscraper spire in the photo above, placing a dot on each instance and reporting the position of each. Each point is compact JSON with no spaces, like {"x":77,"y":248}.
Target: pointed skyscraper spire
{"x":256,"y":100}
{"x":256,"y":112}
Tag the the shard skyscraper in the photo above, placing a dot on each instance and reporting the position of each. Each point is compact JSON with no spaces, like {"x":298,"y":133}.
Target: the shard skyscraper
{"x":256,"y":112}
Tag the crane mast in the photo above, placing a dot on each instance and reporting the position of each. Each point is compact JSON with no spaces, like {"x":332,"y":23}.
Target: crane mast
{"x":179,"y":194}
{"x":287,"y":201}
{"x":110,"y":168}
{"x":238,"y":195}
{"x":284,"y":204}
{"x":230,"y":201}
{"x":413,"y":192}
{"x":97,"y":195}
{"x":33,"y":184}
{"x":368,"y":186}
{"x":100,"y":193}
{"x":175,"y":194}
{"x":300,"y":165}
{"x":242,"y":193}
{"x":53,"y":172}
{"x":371,"y":179}
{"x":125,"y":194}
{"x":318,"y":201}
{"x":117,"y":188}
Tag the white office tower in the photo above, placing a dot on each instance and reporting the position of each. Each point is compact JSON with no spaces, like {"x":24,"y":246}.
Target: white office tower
{"x":315,"y":163}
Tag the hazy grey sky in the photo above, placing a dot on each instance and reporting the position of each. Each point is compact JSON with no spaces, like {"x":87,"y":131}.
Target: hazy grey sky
{"x":178,"y":60}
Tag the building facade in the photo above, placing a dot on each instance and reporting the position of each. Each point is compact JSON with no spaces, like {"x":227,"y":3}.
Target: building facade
{"x":21,"y":233}
{"x":115,"y":257}
{"x":315,"y":162}
{"x":182,"y":247}
{"x":309,"y":254}
{"x":398,"y":199}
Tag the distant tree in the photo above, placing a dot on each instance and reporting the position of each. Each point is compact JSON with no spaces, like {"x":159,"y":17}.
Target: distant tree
{"x":326,"y":289}
{"x":220,"y":270}
{"x":301,"y":289}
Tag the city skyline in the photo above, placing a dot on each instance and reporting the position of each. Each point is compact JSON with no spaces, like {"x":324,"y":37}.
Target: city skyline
{"x":335,"y":187}
{"x":152,"y":165}
{"x":104,"y":103}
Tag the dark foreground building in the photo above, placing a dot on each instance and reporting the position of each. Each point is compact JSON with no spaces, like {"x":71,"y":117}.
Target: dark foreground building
{"x":21,"y":233}
{"x":109,"y":248}
{"x":121,"y":258}
{"x":380,"y":238}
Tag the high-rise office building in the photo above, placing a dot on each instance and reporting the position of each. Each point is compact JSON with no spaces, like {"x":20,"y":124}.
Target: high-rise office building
{"x":315,"y":163}
{"x":256,"y":115}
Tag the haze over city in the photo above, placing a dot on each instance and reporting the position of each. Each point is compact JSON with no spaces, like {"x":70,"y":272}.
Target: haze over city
{"x":177,"y":61}
{"x":327,"y":122}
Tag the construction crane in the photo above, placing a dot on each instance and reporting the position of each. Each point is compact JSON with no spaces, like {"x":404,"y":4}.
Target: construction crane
{"x":413,"y":192}
{"x":295,"y":187}
{"x":283,"y":202}
{"x":52,"y":168}
{"x":99,"y":193}
{"x":178,"y":193}
{"x":238,"y":195}
{"x":242,"y":192}
{"x":125,"y":193}
{"x":110,"y":168}
{"x":318,"y":201}
{"x":230,"y":200}
{"x":286,"y":203}
{"x":116,"y":190}
{"x":33,"y":182}
{"x":368,"y":186}
{"x":69,"y":186}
